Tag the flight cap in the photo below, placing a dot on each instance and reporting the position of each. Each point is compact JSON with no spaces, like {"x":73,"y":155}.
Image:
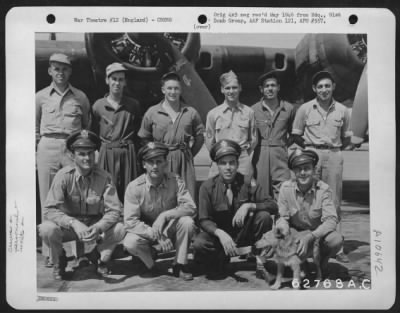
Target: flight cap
{"x":60,"y":58}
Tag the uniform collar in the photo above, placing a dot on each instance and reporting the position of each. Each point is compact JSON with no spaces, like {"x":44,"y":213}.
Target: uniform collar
{"x":78,"y":175}
{"x":160,"y":109}
{"x":331,"y":107}
{"x":225,"y":106}
{"x":234,"y":183}
{"x":108,"y":106}
{"x":312,"y":190}
{"x":148,"y":183}
{"x":53,"y":88}
{"x":264,"y":106}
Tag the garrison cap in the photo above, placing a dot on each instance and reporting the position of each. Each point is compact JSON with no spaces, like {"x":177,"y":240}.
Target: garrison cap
{"x":60,"y":58}
{"x":270,"y":74}
{"x":115,"y":67}
{"x":226,"y":78}
{"x":320,"y":75}
{"x":152,"y":150}
{"x":83,"y":139}
{"x":224,"y":147}
{"x":170,"y":75}
{"x":301,"y":156}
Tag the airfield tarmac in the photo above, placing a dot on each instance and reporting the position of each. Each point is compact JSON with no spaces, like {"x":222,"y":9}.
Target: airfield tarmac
{"x":126,"y":274}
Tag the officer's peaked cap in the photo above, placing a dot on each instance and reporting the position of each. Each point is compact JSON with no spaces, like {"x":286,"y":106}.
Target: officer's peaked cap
{"x":152,"y":150}
{"x":83,"y":139}
{"x":301,"y":156}
{"x":224,"y":147}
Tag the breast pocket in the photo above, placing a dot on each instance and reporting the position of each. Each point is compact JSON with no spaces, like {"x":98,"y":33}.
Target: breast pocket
{"x":73,"y":204}
{"x":281,"y":122}
{"x":94,"y":203}
{"x":159,"y":130}
{"x":72,"y":109}
{"x":313,"y":125}
{"x":221,"y":123}
{"x":262,"y":126}
{"x":336,"y":122}
{"x":242,"y":129}
{"x":223,"y":129}
{"x":334,"y":126}
{"x":72,"y":115}
{"x":312,"y":122}
{"x":48,"y":113}
{"x":221,"y":212}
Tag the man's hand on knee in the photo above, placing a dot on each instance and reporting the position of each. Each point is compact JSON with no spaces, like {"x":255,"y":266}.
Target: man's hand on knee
{"x":227,"y":242}
{"x":80,"y":229}
{"x":166,"y":244}
{"x":304,"y":243}
{"x":158,"y":225}
{"x":93,"y":233}
{"x":241,"y":213}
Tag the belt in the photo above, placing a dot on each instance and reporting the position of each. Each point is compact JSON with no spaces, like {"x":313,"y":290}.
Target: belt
{"x":178,"y":146}
{"x":56,"y":136}
{"x":117,"y":144}
{"x":323,"y":147}
{"x":266,"y":142}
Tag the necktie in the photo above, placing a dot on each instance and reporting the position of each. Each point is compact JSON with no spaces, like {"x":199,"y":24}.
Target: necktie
{"x":229,"y":194}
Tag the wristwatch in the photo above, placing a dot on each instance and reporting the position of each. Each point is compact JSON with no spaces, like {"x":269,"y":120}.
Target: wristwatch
{"x":71,"y":221}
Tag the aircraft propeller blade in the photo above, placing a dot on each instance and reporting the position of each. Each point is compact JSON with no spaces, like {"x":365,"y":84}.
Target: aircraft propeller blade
{"x":359,"y":115}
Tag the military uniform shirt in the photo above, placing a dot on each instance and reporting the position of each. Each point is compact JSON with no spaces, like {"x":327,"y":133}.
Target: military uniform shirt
{"x":320,"y":127}
{"x":144,"y":202}
{"x":214,"y":210}
{"x":314,"y":210}
{"x":237,"y":124}
{"x":91,"y":197}
{"x":58,"y":113}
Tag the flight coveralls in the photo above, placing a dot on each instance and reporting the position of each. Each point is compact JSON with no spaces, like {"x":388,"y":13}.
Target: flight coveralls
{"x":184,"y":138}
{"x":270,"y":158}
{"x":117,"y":129}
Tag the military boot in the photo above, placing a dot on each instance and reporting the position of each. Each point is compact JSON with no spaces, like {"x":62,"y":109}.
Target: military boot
{"x":59,"y":268}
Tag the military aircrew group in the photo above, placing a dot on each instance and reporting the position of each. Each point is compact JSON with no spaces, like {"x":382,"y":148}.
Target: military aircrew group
{"x":139,"y":189}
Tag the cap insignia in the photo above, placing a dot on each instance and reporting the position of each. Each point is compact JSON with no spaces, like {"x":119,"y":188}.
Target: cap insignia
{"x":224,"y":144}
{"x":298,"y":152}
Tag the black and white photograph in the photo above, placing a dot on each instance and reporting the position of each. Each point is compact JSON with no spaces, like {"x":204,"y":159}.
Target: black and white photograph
{"x":172,"y":163}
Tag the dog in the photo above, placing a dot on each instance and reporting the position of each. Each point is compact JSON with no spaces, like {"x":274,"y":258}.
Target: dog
{"x":280,"y":244}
